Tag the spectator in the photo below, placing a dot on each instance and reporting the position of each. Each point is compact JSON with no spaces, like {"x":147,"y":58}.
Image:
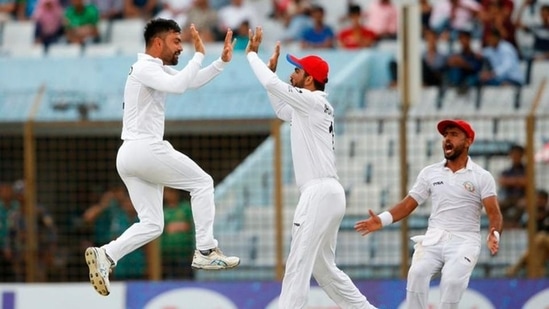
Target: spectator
{"x":9,"y":214}
{"x":298,"y":18}
{"x":178,"y":239}
{"x":25,"y":9}
{"x":464,"y":66}
{"x":109,"y":9}
{"x":503,"y":62}
{"x":81,"y":22}
{"x":175,"y":9}
{"x":205,"y":20}
{"x":49,"y":18}
{"x":381,"y":18}
{"x":433,"y":62}
{"x":539,"y":31}
{"x":512,"y":186}
{"x":450,"y":16}
{"x":319,"y":35}
{"x":356,"y":35}
{"x":241,"y":36}
{"x":426,"y":9}
{"x":497,"y":16}
{"x":46,"y":230}
{"x":541,"y":240}
{"x":144,"y":9}
{"x":233,"y":15}
{"x":7,"y":10}
{"x":110,"y":217}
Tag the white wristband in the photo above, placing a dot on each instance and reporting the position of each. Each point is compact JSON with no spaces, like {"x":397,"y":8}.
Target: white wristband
{"x":386,"y":218}
{"x":496,"y":233}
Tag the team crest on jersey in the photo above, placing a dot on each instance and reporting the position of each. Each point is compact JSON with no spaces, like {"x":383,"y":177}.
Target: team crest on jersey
{"x":469,"y":186}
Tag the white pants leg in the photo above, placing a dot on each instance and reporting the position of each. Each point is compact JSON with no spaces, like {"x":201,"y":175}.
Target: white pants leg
{"x":316,"y":222}
{"x":455,"y":257}
{"x":146,"y":167}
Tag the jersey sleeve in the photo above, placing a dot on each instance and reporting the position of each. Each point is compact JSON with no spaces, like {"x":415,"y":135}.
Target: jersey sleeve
{"x":154,"y":76}
{"x":282,"y":110}
{"x":299,"y":99}
{"x":206,"y":74}
{"x":488,"y":185}
{"x":421,"y":190}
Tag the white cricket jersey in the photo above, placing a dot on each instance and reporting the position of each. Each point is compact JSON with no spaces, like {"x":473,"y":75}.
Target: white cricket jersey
{"x":147,"y":85}
{"x":311,"y":119}
{"x":456,"y":197}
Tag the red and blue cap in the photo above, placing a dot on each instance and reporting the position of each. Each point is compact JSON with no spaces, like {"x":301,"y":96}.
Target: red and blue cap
{"x":458,"y":123}
{"x":312,"y":65}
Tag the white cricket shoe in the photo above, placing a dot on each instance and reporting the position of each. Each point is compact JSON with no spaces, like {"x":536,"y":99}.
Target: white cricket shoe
{"x":215,"y":260}
{"x":100,"y":266}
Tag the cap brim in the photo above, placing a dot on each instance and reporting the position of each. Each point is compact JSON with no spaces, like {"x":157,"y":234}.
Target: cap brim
{"x":441,"y":126}
{"x":293,"y":60}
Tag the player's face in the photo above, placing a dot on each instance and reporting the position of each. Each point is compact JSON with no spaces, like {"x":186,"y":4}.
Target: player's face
{"x":454,"y":143}
{"x":297,"y":78}
{"x":171,"y":48}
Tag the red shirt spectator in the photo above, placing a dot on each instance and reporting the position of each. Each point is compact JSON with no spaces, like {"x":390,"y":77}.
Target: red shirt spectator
{"x":356,"y":35}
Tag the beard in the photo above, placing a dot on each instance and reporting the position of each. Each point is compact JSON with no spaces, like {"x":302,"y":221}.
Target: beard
{"x":454,"y":154}
{"x":296,"y":84}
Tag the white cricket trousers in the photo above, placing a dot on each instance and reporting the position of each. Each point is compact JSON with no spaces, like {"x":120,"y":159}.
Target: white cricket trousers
{"x":316,"y":223}
{"x":455,"y":257}
{"x":146,"y":166}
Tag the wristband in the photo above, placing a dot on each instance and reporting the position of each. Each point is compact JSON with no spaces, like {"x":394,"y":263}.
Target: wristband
{"x":386,"y":218}
{"x":496,"y":234}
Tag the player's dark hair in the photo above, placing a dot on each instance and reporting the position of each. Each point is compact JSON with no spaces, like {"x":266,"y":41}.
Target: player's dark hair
{"x":157,"y":27}
{"x":318,"y":85}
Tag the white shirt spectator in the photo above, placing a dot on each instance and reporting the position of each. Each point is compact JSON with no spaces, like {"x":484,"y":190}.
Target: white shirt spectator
{"x":463,"y":18}
{"x":505,"y":61}
{"x":232,"y":15}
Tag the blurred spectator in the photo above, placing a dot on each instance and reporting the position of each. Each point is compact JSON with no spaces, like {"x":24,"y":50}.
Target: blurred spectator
{"x":7,"y":10}
{"x":464,"y":66}
{"x":205,"y":20}
{"x":110,"y":217}
{"x":9,"y":214}
{"x":175,"y":9}
{"x":241,"y":35}
{"x":426,"y":8}
{"x":540,"y":31}
{"x":25,"y":9}
{"x":144,"y":9}
{"x":356,"y":35}
{"x":109,"y":9}
{"x":497,"y":16}
{"x":178,"y":239}
{"x":450,"y":16}
{"x":512,"y":188}
{"x":541,"y":240}
{"x":503,"y":62}
{"x":433,"y":62}
{"x":297,"y":19}
{"x":319,"y":35}
{"x":46,"y":231}
{"x":381,"y":17}
{"x":49,"y":20}
{"x":81,"y":22}
{"x":233,"y":15}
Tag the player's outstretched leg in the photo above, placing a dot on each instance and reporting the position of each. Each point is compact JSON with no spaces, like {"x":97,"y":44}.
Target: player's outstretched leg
{"x":100,"y":266}
{"x":213,"y":259}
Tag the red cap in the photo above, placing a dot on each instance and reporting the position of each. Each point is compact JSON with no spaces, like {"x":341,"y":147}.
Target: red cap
{"x":313,"y":65}
{"x":458,"y":123}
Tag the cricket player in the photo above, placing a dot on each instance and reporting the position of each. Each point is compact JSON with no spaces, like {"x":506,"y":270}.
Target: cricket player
{"x":321,"y":204}
{"x":459,"y":188}
{"x":146,"y":163}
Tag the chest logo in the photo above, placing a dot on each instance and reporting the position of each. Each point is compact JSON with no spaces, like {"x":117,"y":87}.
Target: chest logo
{"x":438,"y":183}
{"x":469,"y":186}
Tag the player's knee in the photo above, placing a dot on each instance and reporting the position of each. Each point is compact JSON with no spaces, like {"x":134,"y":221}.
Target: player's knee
{"x":154,"y":228}
{"x":203,"y":185}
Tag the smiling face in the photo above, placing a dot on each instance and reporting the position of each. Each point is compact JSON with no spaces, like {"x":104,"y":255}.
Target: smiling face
{"x":455,"y":143}
{"x":170,"y":47}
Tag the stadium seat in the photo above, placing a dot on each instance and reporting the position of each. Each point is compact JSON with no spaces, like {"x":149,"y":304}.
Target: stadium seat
{"x":64,"y":51}
{"x":363,"y":197}
{"x":127,"y":35}
{"x":18,"y":39}
{"x":100,"y":50}
{"x":498,"y":100}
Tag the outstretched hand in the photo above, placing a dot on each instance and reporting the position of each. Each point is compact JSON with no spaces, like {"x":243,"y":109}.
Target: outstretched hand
{"x":254,"y":40}
{"x":273,"y":61}
{"x":228,"y":46}
{"x":369,"y":225}
{"x":493,"y":241}
{"x":197,"y":40}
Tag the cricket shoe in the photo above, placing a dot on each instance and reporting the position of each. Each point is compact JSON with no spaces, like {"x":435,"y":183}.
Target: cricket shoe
{"x":100,"y":266}
{"x":213,"y":261}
